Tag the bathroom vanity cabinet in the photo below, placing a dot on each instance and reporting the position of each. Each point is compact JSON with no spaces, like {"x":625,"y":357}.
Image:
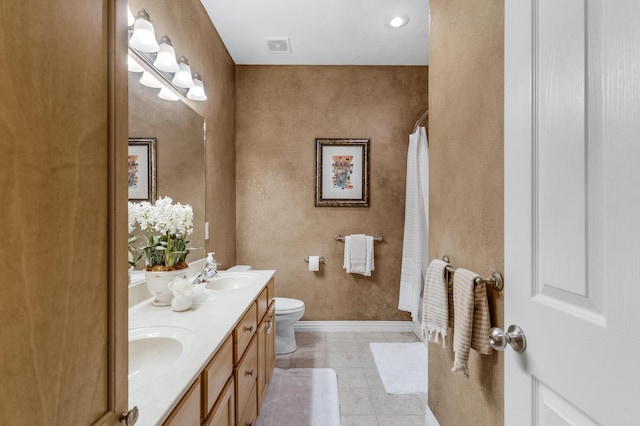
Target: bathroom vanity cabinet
{"x":230,"y":389}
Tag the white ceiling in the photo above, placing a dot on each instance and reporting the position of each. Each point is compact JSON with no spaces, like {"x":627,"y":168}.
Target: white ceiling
{"x":323,"y":32}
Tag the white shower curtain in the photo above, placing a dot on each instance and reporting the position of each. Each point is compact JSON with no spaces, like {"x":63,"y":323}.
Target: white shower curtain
{"x":416,"y":224}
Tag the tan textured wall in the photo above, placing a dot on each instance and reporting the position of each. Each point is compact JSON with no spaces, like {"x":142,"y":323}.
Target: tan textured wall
{"x":280,"y":111}
{"x":194,"y":36}
{"x":466,"y":195}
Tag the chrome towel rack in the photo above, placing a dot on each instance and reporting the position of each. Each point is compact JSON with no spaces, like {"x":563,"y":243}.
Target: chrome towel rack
{"x":422,"y":117}
{"x":495,"y":279}
{"x":377,"y":238}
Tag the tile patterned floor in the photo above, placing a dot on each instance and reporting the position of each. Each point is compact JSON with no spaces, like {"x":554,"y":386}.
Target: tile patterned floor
{"x":363,"y":400}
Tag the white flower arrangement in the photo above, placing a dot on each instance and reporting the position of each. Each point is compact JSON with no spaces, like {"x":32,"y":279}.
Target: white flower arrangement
{"x":167,"y":226}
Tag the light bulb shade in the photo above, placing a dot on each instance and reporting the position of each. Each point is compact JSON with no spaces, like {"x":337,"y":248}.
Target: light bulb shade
{"x":133,"y":65}
{"x":168,"y":95}
{"x":182,"y":77}
{"x":196,"y":93}
{"x":150,"y":81}
{"x":130,"y":18}
{"x":144,"y":36}
{"x":166,"y":59}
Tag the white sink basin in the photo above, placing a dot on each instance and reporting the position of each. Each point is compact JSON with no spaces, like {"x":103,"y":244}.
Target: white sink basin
{"x":156,"y":351}
{"x":232,"y":280}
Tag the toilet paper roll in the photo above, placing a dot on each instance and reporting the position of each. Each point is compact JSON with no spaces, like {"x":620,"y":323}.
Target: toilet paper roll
{"x":314,"y":263}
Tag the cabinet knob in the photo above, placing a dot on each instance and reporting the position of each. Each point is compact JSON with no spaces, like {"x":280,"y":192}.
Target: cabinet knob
{"x":251,"y":372}
{"x":131,"y":417}
{"x":249,"y":329}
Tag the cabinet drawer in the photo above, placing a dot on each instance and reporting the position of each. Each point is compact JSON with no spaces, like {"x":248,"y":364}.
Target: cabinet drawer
{"x":188,"y":410}
{"x":262,"y":304}
{"x":246,"y":375}
{"x":224,"y":411}
{"x":244,"y":331}
{"x":271,"y":291}
{"x":216,"y":374}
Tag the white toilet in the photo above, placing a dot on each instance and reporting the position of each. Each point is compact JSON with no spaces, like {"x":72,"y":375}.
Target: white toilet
{"x":288,"y":312}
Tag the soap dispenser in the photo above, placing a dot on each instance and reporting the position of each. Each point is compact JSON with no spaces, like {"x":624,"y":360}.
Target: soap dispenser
{"x":211,"y":267}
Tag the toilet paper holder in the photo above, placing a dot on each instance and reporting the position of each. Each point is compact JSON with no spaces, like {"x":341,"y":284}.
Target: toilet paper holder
{"x":321,"y":260}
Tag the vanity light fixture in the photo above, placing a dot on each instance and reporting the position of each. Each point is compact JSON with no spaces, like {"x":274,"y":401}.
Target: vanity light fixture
{"x":196,"y":93}
{"x":150,"y":81}
{"x":166,"y":59}
{"x":157,"y":62}
{"x":143,"y":37}
{"x":399,"y":21}
{"x":182,"y":77}
{"x":167,"y":94}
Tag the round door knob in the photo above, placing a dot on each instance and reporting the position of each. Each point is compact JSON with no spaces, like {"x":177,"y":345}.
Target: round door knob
{"x":131,"y":417}
{"x":514,"y":336}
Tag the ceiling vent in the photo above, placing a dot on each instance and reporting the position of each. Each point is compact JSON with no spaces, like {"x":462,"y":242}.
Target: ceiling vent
{"x":278,"y":45}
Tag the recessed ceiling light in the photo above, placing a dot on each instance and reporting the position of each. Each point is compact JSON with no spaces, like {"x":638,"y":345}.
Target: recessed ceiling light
{"x":399,"y":21}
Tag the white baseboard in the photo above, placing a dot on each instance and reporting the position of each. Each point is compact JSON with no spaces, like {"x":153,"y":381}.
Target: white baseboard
{"x":398,"y":326}
{"x":417,"y":330}
{"x":430,"y":418}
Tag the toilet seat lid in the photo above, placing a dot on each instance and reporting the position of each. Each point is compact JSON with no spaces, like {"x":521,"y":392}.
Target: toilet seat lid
{"x":286,"y":305}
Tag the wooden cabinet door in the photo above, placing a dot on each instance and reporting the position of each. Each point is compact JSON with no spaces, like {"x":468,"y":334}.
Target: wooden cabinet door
{"x":262,"y":361}
{"x":224,"y":411}
{"x":266,"y":353}
{"x":63,"y":133}
{"x":270,"y":352}
{"x":187,"y":412}
{"x":246,"y":376}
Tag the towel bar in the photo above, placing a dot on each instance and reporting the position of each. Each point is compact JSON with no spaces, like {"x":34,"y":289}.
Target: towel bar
{"x":378,"y":238}
{"x":495,"y":279}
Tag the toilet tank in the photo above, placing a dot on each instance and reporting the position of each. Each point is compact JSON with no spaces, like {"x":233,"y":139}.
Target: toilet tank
{"x":239,"y":268}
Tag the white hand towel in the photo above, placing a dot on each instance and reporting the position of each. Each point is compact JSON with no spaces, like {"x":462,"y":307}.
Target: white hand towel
{"x":358,"y":254}
{"x":370,"y":263}
{"x":435,"y":303}
{"x":471,"y":319}
{"x":346,"y":263}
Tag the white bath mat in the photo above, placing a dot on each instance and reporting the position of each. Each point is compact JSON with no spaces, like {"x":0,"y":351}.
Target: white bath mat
{"x":402,"y":366}
{"x":301,"y":396}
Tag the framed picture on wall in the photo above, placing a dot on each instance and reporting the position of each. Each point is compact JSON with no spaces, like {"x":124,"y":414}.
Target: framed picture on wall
{"x":142,"y":169}
{"x":342,"y":173}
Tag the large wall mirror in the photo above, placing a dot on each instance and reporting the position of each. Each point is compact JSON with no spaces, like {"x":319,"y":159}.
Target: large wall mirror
{"x":180,"y":151}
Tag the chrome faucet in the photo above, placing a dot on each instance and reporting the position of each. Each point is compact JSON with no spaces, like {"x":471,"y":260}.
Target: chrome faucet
{"x":210,"y":270}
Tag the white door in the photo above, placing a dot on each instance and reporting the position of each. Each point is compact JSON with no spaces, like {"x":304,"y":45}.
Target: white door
{"x":572,"y":211}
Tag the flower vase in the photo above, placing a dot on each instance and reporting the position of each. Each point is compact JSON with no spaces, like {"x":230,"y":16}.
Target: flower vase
{"x":158,"y":284}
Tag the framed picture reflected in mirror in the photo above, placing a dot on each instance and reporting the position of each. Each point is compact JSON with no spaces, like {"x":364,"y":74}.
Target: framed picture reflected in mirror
{"x":142,"y":169}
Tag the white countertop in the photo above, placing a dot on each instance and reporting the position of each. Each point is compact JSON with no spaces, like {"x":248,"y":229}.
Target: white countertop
{"x":212,"y":318}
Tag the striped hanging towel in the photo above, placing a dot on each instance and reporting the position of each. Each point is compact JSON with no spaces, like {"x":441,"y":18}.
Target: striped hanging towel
{"x":471,"y":319}
{"x":435,"y":304}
